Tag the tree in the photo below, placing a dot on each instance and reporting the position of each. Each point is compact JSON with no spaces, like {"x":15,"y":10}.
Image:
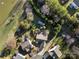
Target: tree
{"x":5,"y":52}
{"x":11,"y":43}
{"x":68,"y":57}
{"x":55,"y":6}
{"x":25,"y":24}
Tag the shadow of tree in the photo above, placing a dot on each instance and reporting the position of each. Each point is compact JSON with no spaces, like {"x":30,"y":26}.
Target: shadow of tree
{"x":71,"y":11}
{"x":5,"y":52}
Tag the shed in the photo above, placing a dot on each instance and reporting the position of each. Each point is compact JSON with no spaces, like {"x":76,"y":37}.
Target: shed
{"x":43,"y":35}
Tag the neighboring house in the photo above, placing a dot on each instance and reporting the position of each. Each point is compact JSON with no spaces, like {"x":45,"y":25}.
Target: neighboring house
{"x":53,"y":53}
{"x":75,"y":50}
{"x":28,"y":11}
{"x":27,"y":43}
{"x":45,"y":9}
{"x":27,"y":5}
{"x":18,"y":56}
{"x":68,"y":39}
{"x":29,"y":14}
{"x":41,"y":38}
{"x":25,"y":47}
{"x":74,"y":4}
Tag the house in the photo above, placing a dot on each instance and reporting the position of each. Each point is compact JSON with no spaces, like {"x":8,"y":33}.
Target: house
{"x":25,"y":46}
{"x":28,"y":11}
{"x":45,"y":9}
{"x":42,"y":35}
{"x":41,"y":38}
{"x":53,"y":53}
{"x":26,"y":43}
{"x":68,"y":39}
{"x":75,"y":50}
{"x":74,"y":4}
{"x":29,"y":14}
{"x":18,"y":56}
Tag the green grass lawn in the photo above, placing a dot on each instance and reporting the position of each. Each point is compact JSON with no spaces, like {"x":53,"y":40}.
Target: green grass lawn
{"x":5,"y":8}
{"x":12,"y":26}
{"x":4,"y":31}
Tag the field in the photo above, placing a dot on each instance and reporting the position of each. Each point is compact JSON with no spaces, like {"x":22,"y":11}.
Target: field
{"x":5,"y":8}
{"x":7,"y":26}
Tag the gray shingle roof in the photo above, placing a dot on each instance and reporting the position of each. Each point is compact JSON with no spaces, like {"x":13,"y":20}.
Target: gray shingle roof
{"x":76,"y":2}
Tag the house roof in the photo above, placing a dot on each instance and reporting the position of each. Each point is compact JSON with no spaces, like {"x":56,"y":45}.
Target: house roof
{"x":56,"y":50}
{"x":42,"y":36}
{"x":19,"y":56}
{"x":26,"y":43}
{"x":45,"y":9}
{"x":29,"y":13}
{"x":76,"y":2}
